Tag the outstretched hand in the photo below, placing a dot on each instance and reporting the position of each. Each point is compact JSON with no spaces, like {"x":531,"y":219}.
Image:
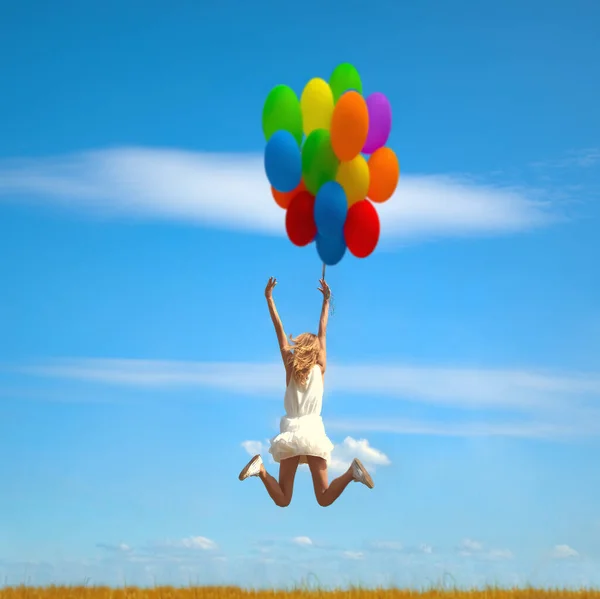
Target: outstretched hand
{"x":324,"y":289}
{"x":270,"y":286}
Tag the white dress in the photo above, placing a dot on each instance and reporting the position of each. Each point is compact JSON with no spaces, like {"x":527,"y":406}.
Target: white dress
{"x":301,"y":429}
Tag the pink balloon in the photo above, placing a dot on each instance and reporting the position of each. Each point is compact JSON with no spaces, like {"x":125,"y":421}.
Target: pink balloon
{"x":380,"y":122}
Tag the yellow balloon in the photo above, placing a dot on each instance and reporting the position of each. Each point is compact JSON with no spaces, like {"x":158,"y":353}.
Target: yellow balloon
{"x":354,"y":177}
{"x":316,"y":104}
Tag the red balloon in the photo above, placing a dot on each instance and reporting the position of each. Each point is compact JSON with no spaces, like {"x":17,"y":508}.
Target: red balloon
{"x":300,"y":219}
{"x":362,"y":229}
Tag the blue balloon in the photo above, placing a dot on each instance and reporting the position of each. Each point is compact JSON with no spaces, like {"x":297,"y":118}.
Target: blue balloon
{"x":283,"y":161}
{"x":331,"y":249}
{"x":331,"y":208}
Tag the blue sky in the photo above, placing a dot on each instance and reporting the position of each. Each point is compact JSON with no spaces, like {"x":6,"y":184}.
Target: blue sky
{"x":138,"y":366}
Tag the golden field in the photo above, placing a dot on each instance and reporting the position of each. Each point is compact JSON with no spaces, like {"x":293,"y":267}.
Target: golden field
{"x":90,"y":592}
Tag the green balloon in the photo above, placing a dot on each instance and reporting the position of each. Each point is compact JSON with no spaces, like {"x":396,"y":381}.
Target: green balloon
{"x":344,"y":77}
{"x":282,"y":111}
{"x":319,"y":162}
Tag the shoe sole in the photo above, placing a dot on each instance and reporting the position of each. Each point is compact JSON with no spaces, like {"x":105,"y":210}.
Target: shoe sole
{"x":244,"y":472}
{"x":368,"y":480}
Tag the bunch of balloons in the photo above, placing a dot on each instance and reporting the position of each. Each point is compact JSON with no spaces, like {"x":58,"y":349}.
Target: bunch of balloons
{"x":316,"y":165}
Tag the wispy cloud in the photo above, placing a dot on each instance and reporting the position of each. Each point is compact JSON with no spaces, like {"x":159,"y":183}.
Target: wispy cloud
{"x":353,"y":555}
{"x":472,"y":548}
{"x":119,"y":547}
{"x":578,"y":426}
{"x":186,"y":544}
{"x":216,"y":190}
{"x":501,"y":554}
{"x":202,"y":543}
{"x":520,"y":390}
{"x":302,"y":541}
{"x":583,"y":158}
{"x":174,"y":550}
{"x":541,"y":405}
{"x":158,"y":374}
{"x":386,"y":546}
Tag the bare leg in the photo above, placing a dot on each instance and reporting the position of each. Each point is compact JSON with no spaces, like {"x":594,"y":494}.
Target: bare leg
{"x":327,"y":493}
{"x":281,"y":492}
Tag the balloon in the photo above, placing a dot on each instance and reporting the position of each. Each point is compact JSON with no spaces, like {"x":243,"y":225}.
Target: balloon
{"x":300,"y":220}
{"x":327,"y":162}
{"x":385,"y":172}
{"x":362,"y":229}
{"x":331,"y":207}
{"x":283,"y":199}
{"x":317,"y":105}
{"x":283,"y":162}
{"x":380,"y":122}
{"x":349,"y":125}
{"x":354,"y":177}
{"x":319,"y":163}
{"x":282,"y":112}
{"x":331,"y":249}
{"x":344,"y":77}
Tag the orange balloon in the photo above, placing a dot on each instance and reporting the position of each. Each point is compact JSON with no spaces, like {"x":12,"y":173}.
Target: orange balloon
{"x":384,"y":169}
{"x":349,"y":126}
{"x":283,"y":199}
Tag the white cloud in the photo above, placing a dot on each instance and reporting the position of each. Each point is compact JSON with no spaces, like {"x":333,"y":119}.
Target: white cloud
{"x":425,"y":548}
{"x":192,"y":543}
{"x":217,"y":190}
{"x":341,"y":457}
{"x":119,"y":547}
{"x":472,"y":548}
{"x":198,"y":543}
{"x":354,"y":555}
{"x":254,"y":447}
{"x":343,"y":454}
{"x":564,"y":552}
{"x":258,"y":447}
{"x":302,"y":541}
{"x":386,"y":546}
{"x":584,"y":158}
{"x":469,"y":546}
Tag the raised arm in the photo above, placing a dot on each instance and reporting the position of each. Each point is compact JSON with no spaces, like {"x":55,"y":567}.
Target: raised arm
{"x":281,"y":338}
{"x":324,"y":289}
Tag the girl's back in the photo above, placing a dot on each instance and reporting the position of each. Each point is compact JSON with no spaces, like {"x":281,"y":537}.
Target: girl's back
{"x":305,"y":400}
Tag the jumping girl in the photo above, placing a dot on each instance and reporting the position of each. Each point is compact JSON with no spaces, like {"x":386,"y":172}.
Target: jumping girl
{"x":302,"y":439}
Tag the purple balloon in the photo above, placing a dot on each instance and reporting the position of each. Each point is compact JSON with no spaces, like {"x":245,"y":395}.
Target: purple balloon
{"x":380,"y":122}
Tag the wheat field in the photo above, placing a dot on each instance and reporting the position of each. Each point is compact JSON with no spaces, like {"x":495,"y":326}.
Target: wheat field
{"x":166,"y":592}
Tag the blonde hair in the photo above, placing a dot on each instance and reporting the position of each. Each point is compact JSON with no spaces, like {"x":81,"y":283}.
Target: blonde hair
{"x":305,"y":353}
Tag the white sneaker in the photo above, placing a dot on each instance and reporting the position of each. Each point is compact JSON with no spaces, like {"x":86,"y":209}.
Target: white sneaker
{"x":252,"y":468}
{"x":360,"y":474}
